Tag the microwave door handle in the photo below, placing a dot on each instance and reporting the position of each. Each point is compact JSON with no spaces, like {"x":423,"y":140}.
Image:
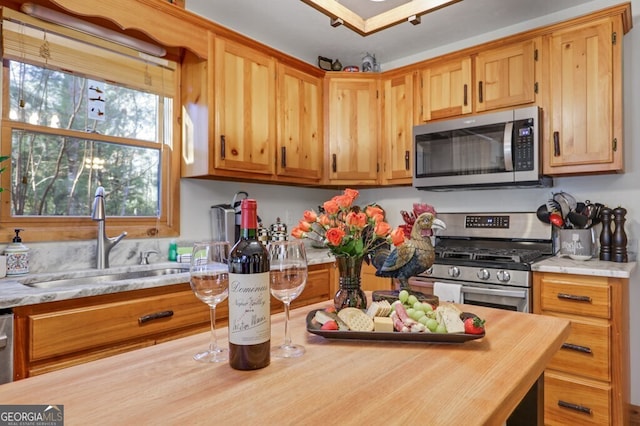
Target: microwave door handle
{"x":494,"y":292}
{"x":508,"y":144}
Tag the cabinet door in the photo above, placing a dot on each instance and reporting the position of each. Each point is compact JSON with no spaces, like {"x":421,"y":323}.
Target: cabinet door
{"x":445,"y":90}
{"x":353,"y":130}
{"x":397,"y":136}
{"x":300,"y":148}
{"x":505,"y":76}
{"x":584,"y":119}
{"x":245,"y":108}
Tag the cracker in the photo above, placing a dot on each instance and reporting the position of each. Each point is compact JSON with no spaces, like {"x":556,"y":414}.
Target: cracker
{"x":356,"y":319}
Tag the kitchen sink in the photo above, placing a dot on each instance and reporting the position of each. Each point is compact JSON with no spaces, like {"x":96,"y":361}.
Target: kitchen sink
{"x":107,"y":276}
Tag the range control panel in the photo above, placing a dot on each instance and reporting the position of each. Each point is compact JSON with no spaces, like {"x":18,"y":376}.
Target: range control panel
{"x":487,"y":221}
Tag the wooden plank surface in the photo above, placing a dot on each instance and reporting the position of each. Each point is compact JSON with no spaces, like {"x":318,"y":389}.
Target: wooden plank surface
{"x":346,"y":382}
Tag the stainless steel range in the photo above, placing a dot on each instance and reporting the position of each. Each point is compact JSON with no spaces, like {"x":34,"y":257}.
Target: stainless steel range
{"x":489,"y":255}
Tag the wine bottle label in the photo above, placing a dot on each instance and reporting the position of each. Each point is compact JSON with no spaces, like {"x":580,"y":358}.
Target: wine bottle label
{"x":249,"y":309}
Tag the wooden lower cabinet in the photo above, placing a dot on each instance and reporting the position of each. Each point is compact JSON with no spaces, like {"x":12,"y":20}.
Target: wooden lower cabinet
{"x":55,"y":335}
{"x":371,"y":282}
{"x":587,"y":381}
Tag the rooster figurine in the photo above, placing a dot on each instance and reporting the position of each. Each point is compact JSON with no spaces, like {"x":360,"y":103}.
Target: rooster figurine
{"x":414,"y":256}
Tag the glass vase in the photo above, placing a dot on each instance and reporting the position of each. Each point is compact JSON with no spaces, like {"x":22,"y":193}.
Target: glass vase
{"x":350,"y":293}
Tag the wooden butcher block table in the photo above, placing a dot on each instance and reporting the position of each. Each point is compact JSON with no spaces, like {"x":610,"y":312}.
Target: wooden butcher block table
{"x":478,"y":382}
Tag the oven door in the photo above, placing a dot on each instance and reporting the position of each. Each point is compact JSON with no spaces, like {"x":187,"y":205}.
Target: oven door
{"x":509,"y":298}
{"x":480,"y":294}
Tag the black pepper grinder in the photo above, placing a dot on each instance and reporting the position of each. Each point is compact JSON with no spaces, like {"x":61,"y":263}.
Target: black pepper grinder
{"x":619,"y":242}
{"x":605,"y":235}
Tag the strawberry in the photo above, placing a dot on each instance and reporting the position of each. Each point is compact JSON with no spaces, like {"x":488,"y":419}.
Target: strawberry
{"x":330,"y":309}
{"x":329,"y":325}
{"x":474,"y":325}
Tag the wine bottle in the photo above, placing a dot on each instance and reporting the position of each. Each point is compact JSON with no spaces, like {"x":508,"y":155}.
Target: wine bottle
{"x":249,"y":296}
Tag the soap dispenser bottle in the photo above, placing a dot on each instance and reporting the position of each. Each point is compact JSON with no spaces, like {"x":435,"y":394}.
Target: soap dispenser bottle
{"x":17,"y":256}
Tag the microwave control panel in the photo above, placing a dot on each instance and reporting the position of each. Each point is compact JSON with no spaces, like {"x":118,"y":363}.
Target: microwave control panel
{"x":523,"y":145}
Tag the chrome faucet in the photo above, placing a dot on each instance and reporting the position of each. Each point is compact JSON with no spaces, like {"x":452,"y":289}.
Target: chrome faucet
{"x":105,"y":244}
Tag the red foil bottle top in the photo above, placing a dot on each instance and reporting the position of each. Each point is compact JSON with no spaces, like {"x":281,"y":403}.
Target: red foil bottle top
{"x":248,"y":211}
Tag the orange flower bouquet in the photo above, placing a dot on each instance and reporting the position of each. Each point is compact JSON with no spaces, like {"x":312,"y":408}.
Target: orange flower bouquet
{"x":348,"y":229}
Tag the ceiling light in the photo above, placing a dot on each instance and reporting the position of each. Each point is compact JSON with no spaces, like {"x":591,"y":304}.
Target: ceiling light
{"x":68,"y":21}
{"x":410,"y":11}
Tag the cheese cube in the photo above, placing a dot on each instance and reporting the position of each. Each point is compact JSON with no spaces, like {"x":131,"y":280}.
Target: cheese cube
{"x":382,"y":324}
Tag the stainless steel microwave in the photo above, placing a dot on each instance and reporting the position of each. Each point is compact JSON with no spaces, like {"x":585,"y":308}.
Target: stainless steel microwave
{"x":500,"y":149}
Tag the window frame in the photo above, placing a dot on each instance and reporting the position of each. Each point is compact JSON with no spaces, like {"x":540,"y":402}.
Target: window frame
{"x":70,"y":228}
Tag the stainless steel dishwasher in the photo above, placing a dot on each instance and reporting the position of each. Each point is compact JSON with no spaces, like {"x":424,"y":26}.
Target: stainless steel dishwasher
{"x":6,"y":347}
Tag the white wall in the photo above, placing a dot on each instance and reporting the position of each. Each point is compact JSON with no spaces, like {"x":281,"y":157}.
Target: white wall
{"x":613,"y":190}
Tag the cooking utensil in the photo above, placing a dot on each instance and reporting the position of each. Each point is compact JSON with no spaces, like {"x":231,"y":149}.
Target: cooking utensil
{"x":566,"y":202}
{"x":578,"y":220}
{"x":543,"y":213}
{"x":556,"y":220}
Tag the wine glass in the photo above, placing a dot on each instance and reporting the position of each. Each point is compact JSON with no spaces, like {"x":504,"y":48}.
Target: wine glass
{"x":288,"y":276}
{"x":210,"y":283}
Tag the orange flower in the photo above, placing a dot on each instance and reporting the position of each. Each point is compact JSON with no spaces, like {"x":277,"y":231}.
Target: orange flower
{"x":351,"y":193}
{"x":397,"y":236}
{"x":331,"y":207}
{"x":377,"y":218}
{"x":334,"y":236}
{"x":305,"y":226}
{"x":356,"y":220}
{"x":373,"y":211}
{"x":310,"y":216}
{"x":382,"y":229}
{"x":298,"y":233}
{"x":343,"y":201}
{"x":324,"y":220}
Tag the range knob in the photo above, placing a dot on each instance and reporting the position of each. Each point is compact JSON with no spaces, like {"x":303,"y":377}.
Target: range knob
{"x":483,"y":274}
{"x":454,"y":272}
{"x":503,"y":276}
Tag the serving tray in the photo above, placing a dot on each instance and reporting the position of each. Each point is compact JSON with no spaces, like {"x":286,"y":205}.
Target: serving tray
{"x":385,"y":336}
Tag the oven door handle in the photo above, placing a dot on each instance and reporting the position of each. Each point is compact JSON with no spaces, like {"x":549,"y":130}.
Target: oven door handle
{"x":520,"y":294}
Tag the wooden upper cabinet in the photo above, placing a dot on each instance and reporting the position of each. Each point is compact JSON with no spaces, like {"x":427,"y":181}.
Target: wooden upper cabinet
{"x":352,"y":148}
{"x":445,"y":90}
{"x":585,"y":102}
{"x":300,"y":137}
{"x":245,"y":108}
{"x":397,"y":134}
{"x":505,"y":76}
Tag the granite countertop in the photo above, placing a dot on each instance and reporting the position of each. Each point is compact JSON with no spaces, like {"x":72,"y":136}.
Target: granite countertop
{"x":594,"y":267}
{"x":13,"y":293}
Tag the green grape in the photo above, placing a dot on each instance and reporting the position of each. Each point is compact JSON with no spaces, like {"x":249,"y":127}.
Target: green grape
{"x":431,"y":314}
{"x":410,"y":312}
{"x":418,"y":314}
{"x":423,"y":320}
{"x":418,"y":306}
{"x":431,"y":324}
{"x":441,"y":328}
{"x":403,"y":296}
{"x":427,"y":307}
{"x":412,"y":299}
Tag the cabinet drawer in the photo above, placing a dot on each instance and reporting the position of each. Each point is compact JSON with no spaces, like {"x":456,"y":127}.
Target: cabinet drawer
{"x":585,"y":352}
{"x":569,"y":401}
{"x":70,"y":330}
{"x":590,"y":297}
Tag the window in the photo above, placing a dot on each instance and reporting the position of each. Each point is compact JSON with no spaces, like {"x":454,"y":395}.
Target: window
{"x":80,"y":113}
